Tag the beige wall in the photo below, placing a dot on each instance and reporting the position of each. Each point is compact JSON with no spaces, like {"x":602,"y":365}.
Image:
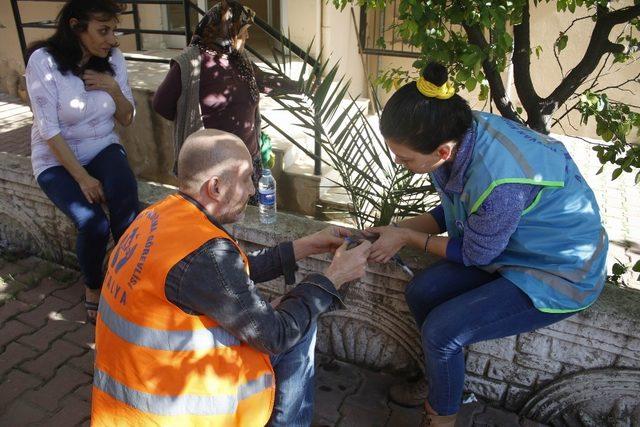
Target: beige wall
{"x":302,"y":21}
{"x":341,"y":42}
{"x":11,"y":63}
{"x":150,"y":18}
{"x":330,"y":30}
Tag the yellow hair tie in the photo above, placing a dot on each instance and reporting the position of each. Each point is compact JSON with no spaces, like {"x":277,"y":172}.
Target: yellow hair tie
{"x":430,"y":90}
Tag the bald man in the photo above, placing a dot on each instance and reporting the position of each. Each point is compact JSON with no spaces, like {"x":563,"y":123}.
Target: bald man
{"x":183,"y":336}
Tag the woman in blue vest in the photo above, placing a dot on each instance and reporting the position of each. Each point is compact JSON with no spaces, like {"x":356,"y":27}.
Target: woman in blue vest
{"x":525,"y":246}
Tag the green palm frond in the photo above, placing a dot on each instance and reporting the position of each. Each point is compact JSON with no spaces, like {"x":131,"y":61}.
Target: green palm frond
{"x":379,"y":190}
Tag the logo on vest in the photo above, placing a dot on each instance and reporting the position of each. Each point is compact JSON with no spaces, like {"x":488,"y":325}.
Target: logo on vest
{"x":131,"y":247}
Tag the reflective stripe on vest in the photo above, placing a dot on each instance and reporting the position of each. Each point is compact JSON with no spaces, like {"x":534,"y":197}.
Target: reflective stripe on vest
{"x":158,"y":339}
{"x":183,"y":404}
{"x":508,"y":144}
{"x":559,"y":284}
{"x":565,"y":281}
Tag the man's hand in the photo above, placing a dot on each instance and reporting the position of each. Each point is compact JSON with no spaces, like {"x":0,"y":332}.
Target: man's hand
{"x":327,"y":240}
{"x":100,"y":81}
{"x":348,"y":264}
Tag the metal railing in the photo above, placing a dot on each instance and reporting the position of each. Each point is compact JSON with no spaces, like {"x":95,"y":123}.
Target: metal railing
{"x":137,"y":32}
{"x":188,"y":6}
{"x":378,"y":36}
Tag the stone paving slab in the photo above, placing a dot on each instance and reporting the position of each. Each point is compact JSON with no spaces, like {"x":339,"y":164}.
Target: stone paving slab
{"x":46,"y":362}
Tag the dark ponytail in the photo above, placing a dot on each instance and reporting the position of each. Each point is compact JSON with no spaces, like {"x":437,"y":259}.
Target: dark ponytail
{"x":64,"y":44}
{"x":423,"y":123}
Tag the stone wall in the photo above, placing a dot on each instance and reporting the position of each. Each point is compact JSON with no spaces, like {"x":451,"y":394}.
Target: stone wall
{"x":584,"y":369}
{"x":588,"y":351}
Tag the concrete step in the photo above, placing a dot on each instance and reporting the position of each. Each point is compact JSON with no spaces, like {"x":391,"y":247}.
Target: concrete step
{"x":313,"y":194}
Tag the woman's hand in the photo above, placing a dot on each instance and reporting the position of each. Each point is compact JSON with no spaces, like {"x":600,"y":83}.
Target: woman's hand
{"x":100,"y":81}
{"x":104,"y":81}
{"x":92,"y":189}
{"x":327,"y":240}
{"x":391,"y":239}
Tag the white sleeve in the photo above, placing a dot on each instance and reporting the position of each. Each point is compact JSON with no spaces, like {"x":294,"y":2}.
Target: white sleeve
{"x":120,"y":68}
{"x":43,"y":93}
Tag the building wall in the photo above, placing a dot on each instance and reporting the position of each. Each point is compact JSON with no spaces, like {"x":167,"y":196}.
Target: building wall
{"x":340,"y":40}
{"x":11,"y":62}
{"x":302,"y":22}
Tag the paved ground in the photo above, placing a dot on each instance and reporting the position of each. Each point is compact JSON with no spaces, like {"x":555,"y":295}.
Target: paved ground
{"x":46,"y":361}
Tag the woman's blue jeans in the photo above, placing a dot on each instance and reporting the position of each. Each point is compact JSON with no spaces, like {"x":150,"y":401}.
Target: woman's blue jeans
{"x":110,"y":167}
{"x":455,"y":306}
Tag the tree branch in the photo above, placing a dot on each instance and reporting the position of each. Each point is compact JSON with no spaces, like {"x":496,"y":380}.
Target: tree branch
{"x":522,"y":70}
{"x":556,"y":52}
{"x":498,"y":92}
{"x":599,"y":45}
{"x":620,"y":85}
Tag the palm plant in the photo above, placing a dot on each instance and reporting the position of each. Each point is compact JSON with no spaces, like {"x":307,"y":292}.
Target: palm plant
{"x":378,"y":189}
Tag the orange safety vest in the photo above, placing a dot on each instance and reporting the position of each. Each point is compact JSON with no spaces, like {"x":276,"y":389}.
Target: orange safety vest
{"x":156,"y":364}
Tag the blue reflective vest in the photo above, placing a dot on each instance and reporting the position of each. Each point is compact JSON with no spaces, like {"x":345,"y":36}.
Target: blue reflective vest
{"x":557,"y":255}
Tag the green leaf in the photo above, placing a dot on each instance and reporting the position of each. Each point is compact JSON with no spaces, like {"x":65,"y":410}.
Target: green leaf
{"x":484,"y":93}
{"x":616,"y":173}
{"x":636,"y":267}
{"x":471,"y":84}
{"x":463,"y":75}
{"x":618,"y":269}
{"x":538,"y":51}
{"x":561,"y":42}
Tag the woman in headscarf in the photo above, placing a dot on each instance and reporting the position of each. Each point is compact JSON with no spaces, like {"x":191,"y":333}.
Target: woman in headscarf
{"x":214,"y":85}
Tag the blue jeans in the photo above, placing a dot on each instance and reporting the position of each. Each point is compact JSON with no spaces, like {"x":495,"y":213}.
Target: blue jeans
{"x":455,"y":306}
{"x":110,"y":167}
{"x":295,"y":383}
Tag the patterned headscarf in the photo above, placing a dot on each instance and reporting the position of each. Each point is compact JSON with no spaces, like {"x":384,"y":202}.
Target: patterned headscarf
{"x":217,"y":31}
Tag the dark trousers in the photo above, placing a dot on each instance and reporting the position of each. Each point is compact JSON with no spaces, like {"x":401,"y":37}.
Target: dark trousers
{"x":455,"y":306}
{"x":110,"y":167}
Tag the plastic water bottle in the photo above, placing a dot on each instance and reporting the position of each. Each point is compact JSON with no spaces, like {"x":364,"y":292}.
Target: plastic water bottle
{"x":267,"y":197}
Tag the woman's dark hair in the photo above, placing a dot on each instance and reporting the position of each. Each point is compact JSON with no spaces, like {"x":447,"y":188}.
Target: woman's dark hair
{"x":64,"y":44}
{"x":422,"y":123}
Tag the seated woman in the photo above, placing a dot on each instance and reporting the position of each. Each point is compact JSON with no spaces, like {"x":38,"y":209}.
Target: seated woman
{"x":77,"y":83}
{"x":525,"y":246}
{"x":214,"y":85}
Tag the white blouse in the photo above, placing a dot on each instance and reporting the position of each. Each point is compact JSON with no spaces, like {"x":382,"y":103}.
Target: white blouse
{"x":61,"y":105}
